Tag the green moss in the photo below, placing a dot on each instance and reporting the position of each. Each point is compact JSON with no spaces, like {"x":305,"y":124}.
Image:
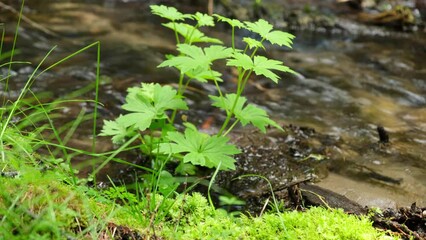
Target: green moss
{"x":199,"y":221}
{"x":40,"y":205}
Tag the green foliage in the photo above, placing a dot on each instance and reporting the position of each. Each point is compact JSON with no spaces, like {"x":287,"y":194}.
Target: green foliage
{"x":170,"y":13}
{"x":152,"y":108}
{"x":246,"y":114}
{"x":204,"y":19}
{"x":260,"y":65}
{"x":233,"y":22}
{"x":39,"y":205}
{"x":146,"y":104}
{"x":190,"y":33}
{"x":200,"y":148}
{"x":193,"y":57}
{"x":265,"y":30}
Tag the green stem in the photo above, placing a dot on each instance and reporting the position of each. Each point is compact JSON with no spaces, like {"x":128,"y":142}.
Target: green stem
{"x":231,"y":112}
{"x":243,"y":85}
{"x":233,"y":38}
{"x":2,"y":38}
{"x":228,"y":118}
{"x":22,"y":94}
{"x":176,"y":33}
{"x":180,"y":94}
{"x":186,"y":86}
{"x":12,"y":54}
{"x":240,"y":77}
{"x":211,"y":184}
{"x":218,"y":88}
{"x":187,"y":40}
{"x":111,"y":157}
{"x":231,"y":127}
{"x":242,"y":81}
{"x":95,"y":110}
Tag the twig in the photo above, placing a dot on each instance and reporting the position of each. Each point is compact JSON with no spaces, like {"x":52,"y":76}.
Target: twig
{"x":264,"y":207}
{"x":321,"y":198}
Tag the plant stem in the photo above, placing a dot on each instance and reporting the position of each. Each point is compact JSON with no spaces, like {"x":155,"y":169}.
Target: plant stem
{"x":2,"y":38}
{"x":233,"y":38}
{"x":241,"y":85}
{"x":231,"y":127}
{"x":179,"y":93}
{"x":95,"y":110}
{"x":176,"y":33}
{"x":242,"y":81}
{"x":211,"y":183}
{"x":12,"y":54}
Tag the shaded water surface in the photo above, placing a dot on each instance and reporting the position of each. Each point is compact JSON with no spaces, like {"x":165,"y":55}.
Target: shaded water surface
{"x":346,"y":87}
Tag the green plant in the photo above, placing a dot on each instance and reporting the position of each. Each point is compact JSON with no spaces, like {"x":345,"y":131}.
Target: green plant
{"x":153,"y":108}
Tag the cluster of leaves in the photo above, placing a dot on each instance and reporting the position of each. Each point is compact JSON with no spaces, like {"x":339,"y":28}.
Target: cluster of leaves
{"x":152,"y":108}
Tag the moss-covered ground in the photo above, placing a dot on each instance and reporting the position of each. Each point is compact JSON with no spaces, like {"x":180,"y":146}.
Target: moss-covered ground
{"x":44,"y":205}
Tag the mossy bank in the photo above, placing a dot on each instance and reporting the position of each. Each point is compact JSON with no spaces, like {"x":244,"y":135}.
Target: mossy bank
{"x":42,"y":205}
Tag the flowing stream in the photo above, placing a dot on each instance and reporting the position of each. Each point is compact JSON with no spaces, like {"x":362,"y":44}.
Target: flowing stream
{"x":347,"y":86}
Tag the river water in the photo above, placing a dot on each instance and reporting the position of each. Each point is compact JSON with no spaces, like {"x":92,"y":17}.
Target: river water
{"x":346,"y":86}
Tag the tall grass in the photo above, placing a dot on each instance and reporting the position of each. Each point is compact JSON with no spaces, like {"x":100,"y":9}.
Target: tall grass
{"x":10,"y":108}
{"x":36,"y":205}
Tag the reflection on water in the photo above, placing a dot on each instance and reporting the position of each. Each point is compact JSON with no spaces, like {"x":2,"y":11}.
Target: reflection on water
{"x":346,"y":86}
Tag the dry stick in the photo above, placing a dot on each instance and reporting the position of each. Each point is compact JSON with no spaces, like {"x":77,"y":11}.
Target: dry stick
{"x":321,"y":198}
{"x":27,"y":20}
{"x":264,"y":207}
{"x":400,"y":228}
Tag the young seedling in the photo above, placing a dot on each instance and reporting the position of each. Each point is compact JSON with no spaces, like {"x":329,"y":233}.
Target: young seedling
{"x":153,"y":108}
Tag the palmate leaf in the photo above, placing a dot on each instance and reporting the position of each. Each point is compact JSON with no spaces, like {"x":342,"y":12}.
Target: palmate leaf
{"x":280,"y":38}
{"x":226,"y":103}
{"x":232,"y":22}
{"x":258,"y":117}
{"x":204,"y":19}
{"x":260,"y":65}
{"x":146,"y":90}
{"x":146,"y":104}
{"x":201,"y":149}
{"x":261,"y":27}
{"x":149,"y":102}
{"x":264,"y":29}
{"x":240,"y":60}
{"x":248,"y":114}
{"x":263,"y":66}
{"x":195,"y":57}
{"x":119,"y":129}
{"x":170,"y":13}
{"x":203,"y":75}
{"x":253,"y":43}
{"x":190,"y":33}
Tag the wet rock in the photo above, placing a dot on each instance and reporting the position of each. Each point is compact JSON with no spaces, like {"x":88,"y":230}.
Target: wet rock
{"x":317,"y":196}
